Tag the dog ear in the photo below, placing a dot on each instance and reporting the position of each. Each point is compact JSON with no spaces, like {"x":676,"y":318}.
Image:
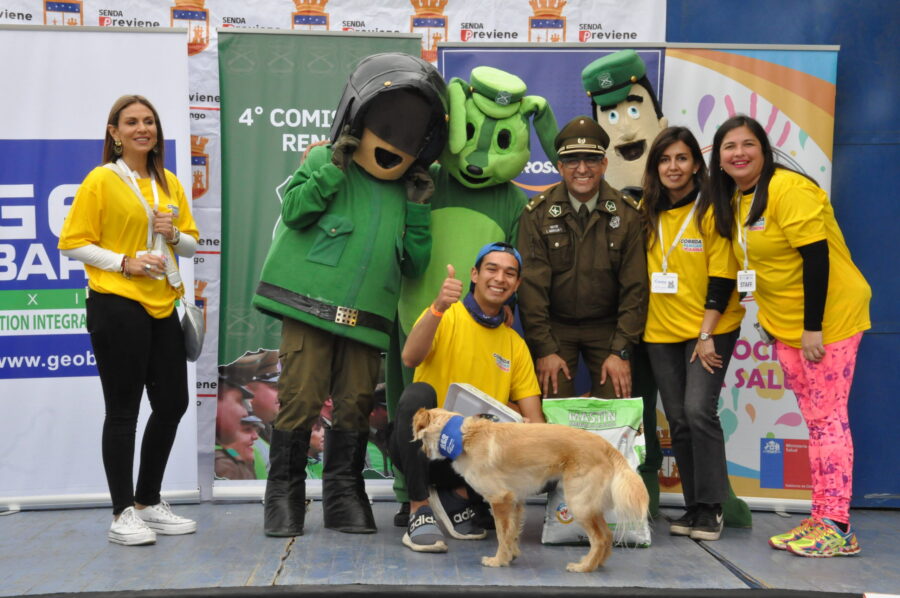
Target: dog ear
{"x":420,"y":422}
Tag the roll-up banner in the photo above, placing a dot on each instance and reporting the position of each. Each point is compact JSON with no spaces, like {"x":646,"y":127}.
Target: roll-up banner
{"x":59,"y":84}
{"x":279,"y":95}
{"x":791,"y":91}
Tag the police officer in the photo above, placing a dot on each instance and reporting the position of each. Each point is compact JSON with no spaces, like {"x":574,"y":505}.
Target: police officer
{"x":584,"y":281}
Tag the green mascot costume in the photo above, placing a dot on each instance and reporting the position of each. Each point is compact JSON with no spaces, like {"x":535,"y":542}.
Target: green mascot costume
{"x":355,"y":217}
{"x":625,"y":105}
{"x":474,"y":201}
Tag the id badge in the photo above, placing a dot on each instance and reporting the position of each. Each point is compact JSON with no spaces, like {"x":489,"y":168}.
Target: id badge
{"x":661,"y":282}
{"x":746,"y":281}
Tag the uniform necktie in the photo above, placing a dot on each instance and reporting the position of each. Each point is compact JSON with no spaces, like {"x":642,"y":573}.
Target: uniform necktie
{"x":583,"y":216}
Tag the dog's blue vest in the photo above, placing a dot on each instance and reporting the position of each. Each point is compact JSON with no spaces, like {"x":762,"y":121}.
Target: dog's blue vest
{"x":450,"y":444}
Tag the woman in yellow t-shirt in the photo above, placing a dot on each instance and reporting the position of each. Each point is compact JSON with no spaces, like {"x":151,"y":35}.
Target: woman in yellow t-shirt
{"x":693,"y":322}
{"x":129,"y":247}
{"x":812,"y":299}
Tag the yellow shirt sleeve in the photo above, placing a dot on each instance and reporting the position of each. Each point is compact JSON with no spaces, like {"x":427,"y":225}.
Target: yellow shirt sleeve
{"x":720,"y":260}
{"x":799,"y":212}
{"x":524,"y":382}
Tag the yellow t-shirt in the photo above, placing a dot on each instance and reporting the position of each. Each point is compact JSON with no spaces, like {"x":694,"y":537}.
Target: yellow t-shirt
{"x":701,"y":253}
{"x":107,"y":213}
{"x":494,"y":360}
{"x":799,"y":213}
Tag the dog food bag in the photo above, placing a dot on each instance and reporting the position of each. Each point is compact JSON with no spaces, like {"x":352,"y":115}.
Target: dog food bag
{"x":618,"y":421}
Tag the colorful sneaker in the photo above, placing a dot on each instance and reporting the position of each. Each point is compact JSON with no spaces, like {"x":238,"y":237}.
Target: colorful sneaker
{"x":423,"y":534}
{"x":162,"y":520}
{"x":684,"y":524}
{"x":129,"y":530}
{"x":780,"y":541}
{"x":455,"y":515}
{"x":826,"y":540}
{"x":708,"y":524}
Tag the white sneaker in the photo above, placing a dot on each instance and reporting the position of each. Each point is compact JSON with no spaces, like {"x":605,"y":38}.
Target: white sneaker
{"x":130,"y":530}
{"x":161,"y":519}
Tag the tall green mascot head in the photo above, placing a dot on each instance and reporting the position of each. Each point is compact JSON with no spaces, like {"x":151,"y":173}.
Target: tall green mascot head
{"x":489,"y":128}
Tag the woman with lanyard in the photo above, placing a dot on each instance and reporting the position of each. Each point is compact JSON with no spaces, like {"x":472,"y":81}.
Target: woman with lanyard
{"x":127,"y":219}
{"x":793,"y":260}
{"x":693,"y":322}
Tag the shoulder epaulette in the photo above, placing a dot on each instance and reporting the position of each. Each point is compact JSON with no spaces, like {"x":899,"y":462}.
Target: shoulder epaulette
{"x":535,"y":201}
{"x":631,"y":201}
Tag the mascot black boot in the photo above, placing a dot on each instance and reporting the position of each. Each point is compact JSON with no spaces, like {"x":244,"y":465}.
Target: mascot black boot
{"x":344,"y":500}
{"x":285,"y":504}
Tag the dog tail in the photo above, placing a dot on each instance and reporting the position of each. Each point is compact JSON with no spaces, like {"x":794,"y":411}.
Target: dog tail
{"x":630,"y":499}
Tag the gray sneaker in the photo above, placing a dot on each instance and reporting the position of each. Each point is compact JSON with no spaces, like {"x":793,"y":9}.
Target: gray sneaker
{"x":455,"y":514}
{"x":423,"y":534}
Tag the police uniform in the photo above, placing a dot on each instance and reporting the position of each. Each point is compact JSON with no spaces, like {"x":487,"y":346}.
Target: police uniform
{"x":583,"y":292}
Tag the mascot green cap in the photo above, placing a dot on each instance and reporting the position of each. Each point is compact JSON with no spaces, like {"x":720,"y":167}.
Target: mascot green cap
{"x":489,"y":128}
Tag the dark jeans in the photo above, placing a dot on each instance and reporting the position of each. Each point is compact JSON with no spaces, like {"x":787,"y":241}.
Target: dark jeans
{"x":407,"y":455}
{"x":134,"y":350}
{"x":690,"y":397}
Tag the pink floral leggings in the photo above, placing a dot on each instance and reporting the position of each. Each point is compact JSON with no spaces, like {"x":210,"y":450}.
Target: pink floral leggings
{"x":822,"y":390}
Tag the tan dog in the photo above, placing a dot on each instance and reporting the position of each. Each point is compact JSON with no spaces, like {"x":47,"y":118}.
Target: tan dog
{"x":507,"y":462}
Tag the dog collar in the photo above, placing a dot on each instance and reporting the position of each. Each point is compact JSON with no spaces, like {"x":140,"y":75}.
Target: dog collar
{"x":450,"y":444}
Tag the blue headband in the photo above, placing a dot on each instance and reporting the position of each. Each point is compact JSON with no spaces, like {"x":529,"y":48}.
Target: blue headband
{"x":502,"y":247}
{"x":450,"y":444}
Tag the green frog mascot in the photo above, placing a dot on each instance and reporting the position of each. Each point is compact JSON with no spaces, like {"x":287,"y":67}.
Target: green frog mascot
{"x":354,"y":219}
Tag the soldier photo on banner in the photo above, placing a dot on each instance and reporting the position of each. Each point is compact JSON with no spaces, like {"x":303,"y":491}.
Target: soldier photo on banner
{"x":247,"y":406}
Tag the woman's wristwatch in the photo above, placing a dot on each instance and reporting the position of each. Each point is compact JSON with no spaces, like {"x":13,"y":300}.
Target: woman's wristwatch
{"x":176,"y":238}
{"x":705,"y":336}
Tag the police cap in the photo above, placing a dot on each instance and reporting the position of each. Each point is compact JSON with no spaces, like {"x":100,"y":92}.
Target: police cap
{"x":581,"y":135}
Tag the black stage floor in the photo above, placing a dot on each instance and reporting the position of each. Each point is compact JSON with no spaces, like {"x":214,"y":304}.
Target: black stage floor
{"x":66,"y":551}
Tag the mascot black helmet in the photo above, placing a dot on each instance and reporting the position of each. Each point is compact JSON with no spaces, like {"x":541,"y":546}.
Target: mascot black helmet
{"x":381,"y":74}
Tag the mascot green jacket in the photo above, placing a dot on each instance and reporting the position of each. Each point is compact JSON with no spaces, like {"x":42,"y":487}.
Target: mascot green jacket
{"x":329,"y":249}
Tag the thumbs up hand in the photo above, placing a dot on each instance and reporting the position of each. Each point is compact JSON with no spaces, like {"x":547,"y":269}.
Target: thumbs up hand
{"x":450,"y":291}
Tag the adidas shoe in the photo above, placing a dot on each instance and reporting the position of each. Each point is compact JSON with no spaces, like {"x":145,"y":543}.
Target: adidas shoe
{"x":162,"y":520}
{"x":781,"y":541}
{"x":130,"y":530}
{"x":455,"y":515}
{"x":825,"y":540}
{"x":423,"y":534}
{"x":708,"y":524}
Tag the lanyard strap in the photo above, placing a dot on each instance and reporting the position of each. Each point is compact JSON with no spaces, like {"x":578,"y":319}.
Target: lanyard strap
{"x":137,"y":191}
{"x":743,"y":239}
{"x":666,"y":254}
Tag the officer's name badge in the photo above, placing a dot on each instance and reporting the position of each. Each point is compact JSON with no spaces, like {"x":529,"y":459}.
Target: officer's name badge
{"x":554,"y":228}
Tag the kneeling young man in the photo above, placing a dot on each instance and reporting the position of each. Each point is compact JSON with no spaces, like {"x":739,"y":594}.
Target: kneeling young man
{"x":460,"y":341}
